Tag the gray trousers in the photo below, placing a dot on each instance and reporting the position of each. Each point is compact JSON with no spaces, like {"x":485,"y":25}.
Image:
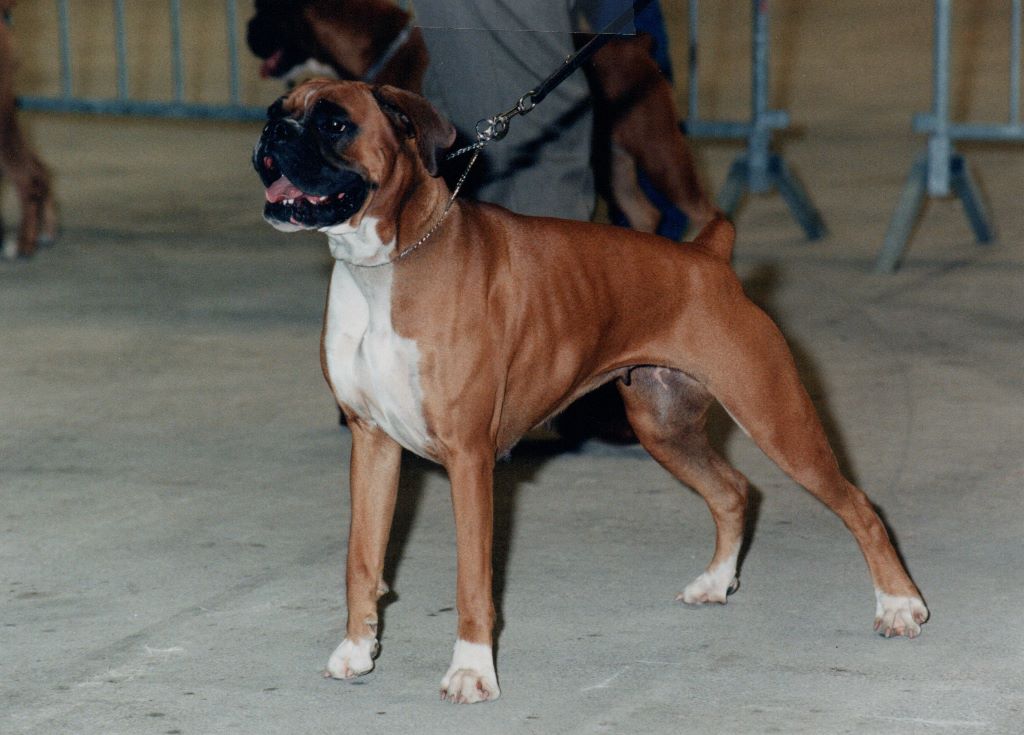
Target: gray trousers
{"x":484,"y":54}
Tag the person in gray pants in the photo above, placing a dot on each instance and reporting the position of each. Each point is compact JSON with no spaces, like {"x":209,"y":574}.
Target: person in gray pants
{"x":484,"y":54}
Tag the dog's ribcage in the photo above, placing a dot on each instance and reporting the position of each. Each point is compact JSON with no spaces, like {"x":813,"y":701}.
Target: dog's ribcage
{"x":374,"y":370}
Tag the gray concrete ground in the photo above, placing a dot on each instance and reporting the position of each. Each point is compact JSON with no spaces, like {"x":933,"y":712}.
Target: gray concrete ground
{"x":172,"y":479}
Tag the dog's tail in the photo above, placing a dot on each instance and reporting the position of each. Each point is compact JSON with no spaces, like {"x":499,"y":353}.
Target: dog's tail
{"x":717,"y":238}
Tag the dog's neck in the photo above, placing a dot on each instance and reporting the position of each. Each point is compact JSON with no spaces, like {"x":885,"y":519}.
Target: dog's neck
{"x":379,"y":237}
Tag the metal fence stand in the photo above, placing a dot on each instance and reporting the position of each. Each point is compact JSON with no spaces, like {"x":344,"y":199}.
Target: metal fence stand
{"x":758,"y":169}
{"x":941,"y":171}
{"x":122,"y":103}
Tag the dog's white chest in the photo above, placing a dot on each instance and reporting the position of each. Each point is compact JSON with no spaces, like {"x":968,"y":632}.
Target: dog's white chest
{"x":374,"y":370}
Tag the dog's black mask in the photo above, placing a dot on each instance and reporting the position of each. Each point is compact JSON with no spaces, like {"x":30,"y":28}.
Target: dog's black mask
{"x":309,"y":182}
{"x":278,"y":35}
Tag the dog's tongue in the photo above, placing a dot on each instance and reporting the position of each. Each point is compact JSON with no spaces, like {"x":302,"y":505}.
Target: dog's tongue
{"x":283,"y":189}
{"x":269,"y":67}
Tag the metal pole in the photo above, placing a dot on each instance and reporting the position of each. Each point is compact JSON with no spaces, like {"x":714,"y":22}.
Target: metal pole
{"x":760,"y":133}
{"x":939,"y":146}
{"x":1015,"y":40}
{"x":235,"y":87}
{"x":64,"y":32}
{"x":178,"y":75}
{"x":941,"y":170}
{"x":122,"y":50}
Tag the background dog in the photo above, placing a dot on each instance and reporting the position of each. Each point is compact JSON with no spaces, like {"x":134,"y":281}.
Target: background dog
{"x":371,"y":40}
{"x":19,"y":163}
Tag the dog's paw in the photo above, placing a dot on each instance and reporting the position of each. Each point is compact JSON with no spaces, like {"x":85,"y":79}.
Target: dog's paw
{"x":471,"y":676}
{"x":352,"y":659}
{"x":706,"y":588}
{"x":896,"y":616}
{"x":714,"y":585}
{"x":468,"y":686}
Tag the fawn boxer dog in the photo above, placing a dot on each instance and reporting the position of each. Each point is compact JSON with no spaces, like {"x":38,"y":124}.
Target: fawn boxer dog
{"x":375,"y":41}
{"x":19,"y":163}
{"x":452,"y":327}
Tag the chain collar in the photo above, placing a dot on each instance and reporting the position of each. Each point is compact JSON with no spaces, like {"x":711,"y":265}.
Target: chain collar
{"x":437,"y":223}
{"x":487,"y":130}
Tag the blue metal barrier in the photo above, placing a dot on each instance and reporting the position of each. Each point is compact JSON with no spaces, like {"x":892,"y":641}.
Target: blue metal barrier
{"x":122,"y":103}
{"x":758,"y":169}
{"x":940,"y":170}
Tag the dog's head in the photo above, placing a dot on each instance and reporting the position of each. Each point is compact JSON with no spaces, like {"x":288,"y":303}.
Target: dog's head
{"x":333,"y":152}
{"x":279,"y":33}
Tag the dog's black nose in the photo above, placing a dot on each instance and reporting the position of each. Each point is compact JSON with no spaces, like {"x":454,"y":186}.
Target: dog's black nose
{"x":282,"y":130}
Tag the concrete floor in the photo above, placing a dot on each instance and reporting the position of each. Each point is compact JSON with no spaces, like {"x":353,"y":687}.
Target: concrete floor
{"x":173,"y":510}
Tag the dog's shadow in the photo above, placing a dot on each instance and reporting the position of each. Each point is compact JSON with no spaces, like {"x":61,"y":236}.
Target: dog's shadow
{"x":529,"y":457}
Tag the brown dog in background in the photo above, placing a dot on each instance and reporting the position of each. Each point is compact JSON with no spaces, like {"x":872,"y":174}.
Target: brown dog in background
{"x":19,"y":163}
{"x":374,"y":41}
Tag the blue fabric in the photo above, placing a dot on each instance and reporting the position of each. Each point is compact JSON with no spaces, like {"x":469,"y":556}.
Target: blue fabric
{"x":650,"y":21}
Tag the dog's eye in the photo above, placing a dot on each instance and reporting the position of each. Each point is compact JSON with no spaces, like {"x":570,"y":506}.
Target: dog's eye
{"x":335,"y":126}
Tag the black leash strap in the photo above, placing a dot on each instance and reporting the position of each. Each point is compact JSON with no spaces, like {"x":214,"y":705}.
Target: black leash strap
{"x":496,"y":128}
{"x":590,"y":48}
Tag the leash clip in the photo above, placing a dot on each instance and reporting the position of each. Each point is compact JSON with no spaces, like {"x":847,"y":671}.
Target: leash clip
{"x":492,"y":128}
{"x":496,"y":128}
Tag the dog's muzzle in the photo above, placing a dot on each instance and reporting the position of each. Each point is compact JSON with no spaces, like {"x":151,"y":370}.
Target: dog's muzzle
{"x":303,"y":188}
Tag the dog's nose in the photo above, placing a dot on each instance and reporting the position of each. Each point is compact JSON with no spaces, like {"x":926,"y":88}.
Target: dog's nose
{"x":282,"y":129}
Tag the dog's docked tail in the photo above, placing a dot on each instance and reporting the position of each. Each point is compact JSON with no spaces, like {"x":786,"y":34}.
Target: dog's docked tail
{"x":717,"y":238}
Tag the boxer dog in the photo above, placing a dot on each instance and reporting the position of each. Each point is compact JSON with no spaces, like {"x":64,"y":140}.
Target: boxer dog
{"x":453,"y":327}
{"x":19,"y":162}
{"x":374,"y":41}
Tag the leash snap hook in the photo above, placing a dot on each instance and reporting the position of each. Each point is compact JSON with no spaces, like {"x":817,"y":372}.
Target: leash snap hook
{"x":492,"y":128}
{"x":496,"y":128}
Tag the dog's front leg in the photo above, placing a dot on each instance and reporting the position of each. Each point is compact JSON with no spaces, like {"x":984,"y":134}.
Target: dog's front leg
{"x":376,"y":461}
{"x":471,"y":677}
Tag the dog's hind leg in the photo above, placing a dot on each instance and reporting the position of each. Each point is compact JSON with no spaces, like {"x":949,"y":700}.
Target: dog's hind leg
{"x":628,"y":195}
{"x":752,"y":373}
{"x":667,"y":410}
{"x":33,"y":183}
{"x":645,"y":124}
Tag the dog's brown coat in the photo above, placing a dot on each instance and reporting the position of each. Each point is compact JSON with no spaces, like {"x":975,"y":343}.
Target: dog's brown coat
{"x":516,"y":316}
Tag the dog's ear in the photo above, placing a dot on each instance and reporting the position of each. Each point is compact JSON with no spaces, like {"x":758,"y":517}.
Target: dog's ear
{"x":414,"y":117}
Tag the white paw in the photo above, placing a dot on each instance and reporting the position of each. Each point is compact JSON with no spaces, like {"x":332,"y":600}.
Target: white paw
{"x":895,"y":616}
{"x":471,"y":676}
{"x":707,"y":589}
{"x":714,"y":585}
{"x":352,"y":659}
